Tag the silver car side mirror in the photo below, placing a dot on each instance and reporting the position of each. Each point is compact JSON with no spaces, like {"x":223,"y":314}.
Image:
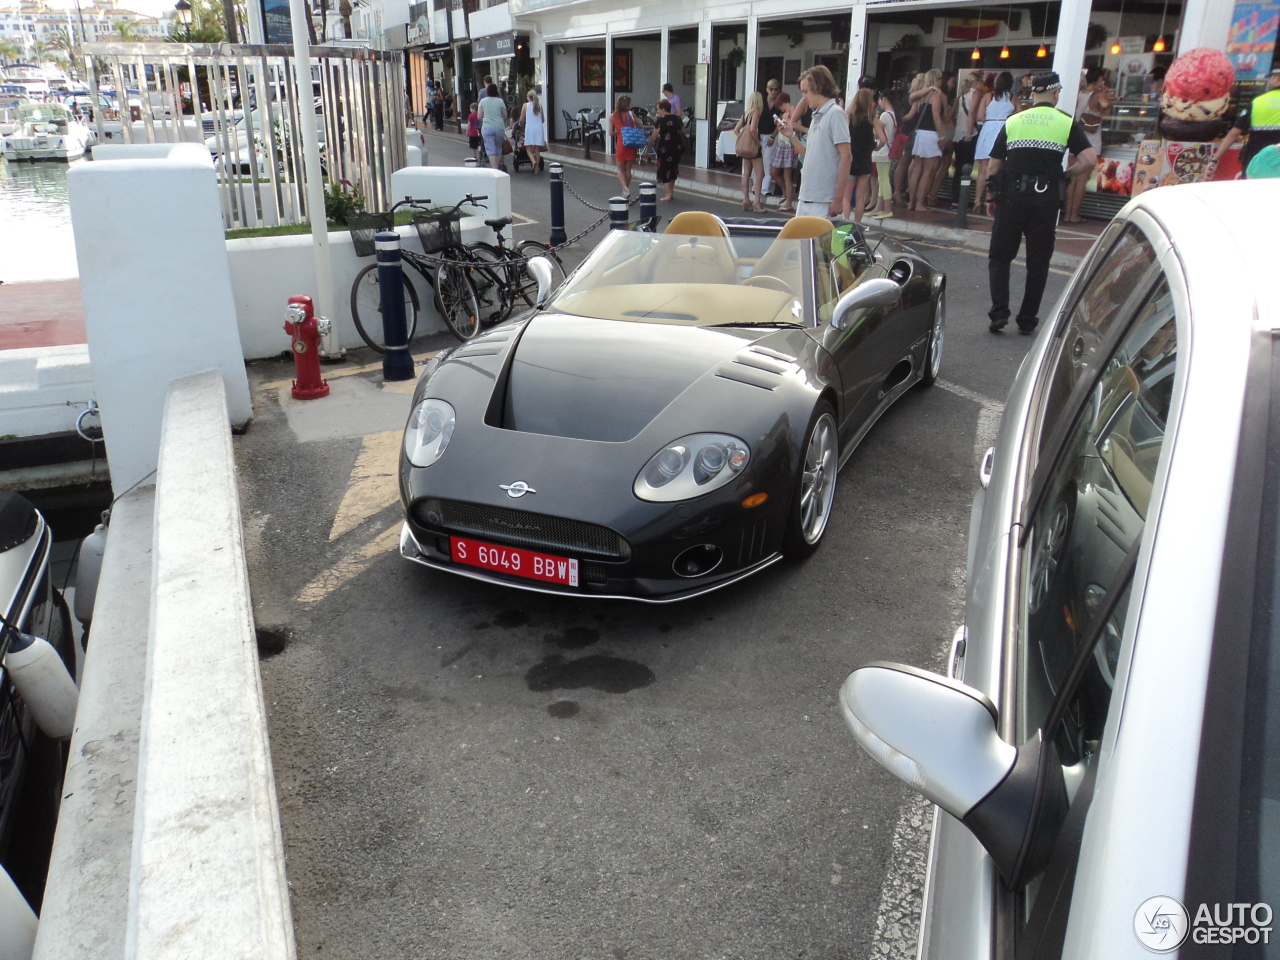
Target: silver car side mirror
{"x":940,"y":736}
{"x":868,"y":295}
{"x":540,"y":268}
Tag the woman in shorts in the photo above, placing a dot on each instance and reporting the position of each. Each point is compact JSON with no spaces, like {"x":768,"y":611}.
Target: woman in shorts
{"x":783,"y":159}
{"x":493,"y":125}
{"x":926,"y":151}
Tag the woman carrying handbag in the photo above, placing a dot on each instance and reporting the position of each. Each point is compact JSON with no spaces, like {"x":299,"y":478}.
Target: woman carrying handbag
{"x":630,"y":139}
{"x":747,"y":147}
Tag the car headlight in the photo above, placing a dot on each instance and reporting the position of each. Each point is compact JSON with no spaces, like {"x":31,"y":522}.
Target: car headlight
{"x":691,"y":466}
{"x":428,"y":432}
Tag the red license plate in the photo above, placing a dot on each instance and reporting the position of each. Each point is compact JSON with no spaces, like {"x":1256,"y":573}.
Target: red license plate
{"x":517,"y":562}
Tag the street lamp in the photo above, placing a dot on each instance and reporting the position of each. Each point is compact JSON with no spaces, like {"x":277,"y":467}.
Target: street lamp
{"x":184,"y":13}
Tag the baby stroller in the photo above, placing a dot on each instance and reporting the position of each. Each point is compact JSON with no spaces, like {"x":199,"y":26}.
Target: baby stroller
{"x":520,"y":158}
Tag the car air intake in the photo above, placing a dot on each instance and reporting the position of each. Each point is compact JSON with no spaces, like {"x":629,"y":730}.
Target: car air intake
{"x":520,"y":528}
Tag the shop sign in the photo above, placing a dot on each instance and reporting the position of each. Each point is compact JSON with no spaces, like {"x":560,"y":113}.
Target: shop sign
{"x":419,"y":30}
{"x":492,"y":48}
{"x":1251,"y":41}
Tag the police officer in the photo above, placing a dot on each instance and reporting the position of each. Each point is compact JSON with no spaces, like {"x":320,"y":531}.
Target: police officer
{"x":1260,"y":120}
{"x":1023,"y":196}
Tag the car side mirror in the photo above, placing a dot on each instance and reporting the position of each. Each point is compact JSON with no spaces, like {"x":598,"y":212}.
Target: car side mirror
{"x":540,"y":268}
{"x":940,"y":737}
{"x":867,"y":295}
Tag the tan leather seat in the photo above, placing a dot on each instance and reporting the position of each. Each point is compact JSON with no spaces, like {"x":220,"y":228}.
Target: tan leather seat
{"x":698,"y":223}
{"x":695,"y":248}
{"x":782,"y":259}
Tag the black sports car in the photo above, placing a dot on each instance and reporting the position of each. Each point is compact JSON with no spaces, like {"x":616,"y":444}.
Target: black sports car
{"x":674,"y":417}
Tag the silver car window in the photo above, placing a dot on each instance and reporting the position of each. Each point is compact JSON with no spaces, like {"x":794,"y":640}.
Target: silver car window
{"x":1092,"y":316}
{"x":1093,"y":512}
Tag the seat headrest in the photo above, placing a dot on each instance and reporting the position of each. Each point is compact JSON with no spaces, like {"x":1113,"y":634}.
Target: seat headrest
{"x":697,"y":223}
{"x":803,"y":228}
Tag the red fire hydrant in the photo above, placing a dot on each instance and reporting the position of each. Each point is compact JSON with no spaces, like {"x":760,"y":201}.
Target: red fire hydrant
{"x":305,"y":331}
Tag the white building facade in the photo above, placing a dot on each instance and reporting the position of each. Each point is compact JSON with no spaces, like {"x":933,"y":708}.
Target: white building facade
{"x":714,"y":52}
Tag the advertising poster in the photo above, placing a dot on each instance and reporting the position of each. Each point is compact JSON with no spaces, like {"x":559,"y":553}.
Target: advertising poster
{"x":1252,"y":38}
{"x":1167,"y":163}
{"x":275,"y":18}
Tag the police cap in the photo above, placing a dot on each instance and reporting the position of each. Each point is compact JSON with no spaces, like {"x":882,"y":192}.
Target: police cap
{"x":1045,"y":82}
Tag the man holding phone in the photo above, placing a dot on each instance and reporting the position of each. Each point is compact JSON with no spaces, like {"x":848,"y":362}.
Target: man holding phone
{"x":826,"y":154}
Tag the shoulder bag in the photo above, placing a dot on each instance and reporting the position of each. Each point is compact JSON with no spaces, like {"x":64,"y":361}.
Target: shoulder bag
{"x":747,"y":143}
{"x":632,"y":135}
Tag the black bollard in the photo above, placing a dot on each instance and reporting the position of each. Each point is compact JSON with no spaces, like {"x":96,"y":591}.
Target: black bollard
{"x":558,"y":236}
{"x":962,"y":201}
{"x":586,"y":139}
{"x":396,"y":362}
{"x":648,"y":206}
{"x":471,"y":162}
{"x":617,"y":213}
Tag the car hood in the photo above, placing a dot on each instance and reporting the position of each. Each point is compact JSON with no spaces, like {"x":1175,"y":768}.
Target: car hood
{"x":592,"y":379}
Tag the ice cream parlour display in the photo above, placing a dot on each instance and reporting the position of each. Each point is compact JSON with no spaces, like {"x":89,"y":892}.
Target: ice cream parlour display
{"x":1197,"y":96}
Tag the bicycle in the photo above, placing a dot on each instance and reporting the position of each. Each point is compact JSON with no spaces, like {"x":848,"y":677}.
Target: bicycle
{"x":454,"y":295}
{"x":501,"y":275}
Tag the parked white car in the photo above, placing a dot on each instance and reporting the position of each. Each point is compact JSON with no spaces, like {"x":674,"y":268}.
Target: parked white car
{"x":1106,"y":752}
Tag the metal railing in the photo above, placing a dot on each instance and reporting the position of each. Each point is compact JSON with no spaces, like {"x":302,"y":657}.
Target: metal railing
{"x":242,"y":99}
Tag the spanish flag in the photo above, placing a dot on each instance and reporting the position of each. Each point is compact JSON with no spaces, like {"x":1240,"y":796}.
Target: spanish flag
{"x":971,"y":31}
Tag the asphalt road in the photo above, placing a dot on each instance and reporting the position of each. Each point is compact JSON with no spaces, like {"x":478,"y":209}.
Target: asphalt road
{"x":473,"y":772}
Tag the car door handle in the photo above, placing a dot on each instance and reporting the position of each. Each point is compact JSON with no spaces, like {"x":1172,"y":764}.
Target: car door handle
{"x":988,"y":464}
{"x":955,"y":661}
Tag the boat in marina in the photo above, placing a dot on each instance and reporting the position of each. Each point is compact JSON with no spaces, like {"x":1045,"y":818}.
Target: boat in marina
{"x":46,"y":131}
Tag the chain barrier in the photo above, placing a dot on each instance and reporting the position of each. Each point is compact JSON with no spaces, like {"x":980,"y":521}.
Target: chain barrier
{"x":631,"y":201}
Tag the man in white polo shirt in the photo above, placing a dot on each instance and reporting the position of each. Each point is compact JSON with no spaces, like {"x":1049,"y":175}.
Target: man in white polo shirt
{"x":826,"y":154}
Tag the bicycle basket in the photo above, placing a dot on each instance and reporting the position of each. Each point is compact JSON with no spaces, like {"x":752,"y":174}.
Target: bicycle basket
{"x":438,"y":231}
{"x":364,"y":227}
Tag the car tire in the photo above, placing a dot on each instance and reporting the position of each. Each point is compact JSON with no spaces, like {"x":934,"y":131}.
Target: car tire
{"x":815,"y":485}
{"x":932,"y":364}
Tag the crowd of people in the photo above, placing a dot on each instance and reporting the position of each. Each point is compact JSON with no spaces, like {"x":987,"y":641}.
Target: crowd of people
{"x":902,"y":144}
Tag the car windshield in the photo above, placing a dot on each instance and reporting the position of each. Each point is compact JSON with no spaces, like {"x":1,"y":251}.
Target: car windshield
{"x":693,"y":280}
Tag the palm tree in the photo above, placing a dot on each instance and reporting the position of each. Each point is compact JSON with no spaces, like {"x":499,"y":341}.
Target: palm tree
{"x":10,"y":50}
{"x":64,"y":43}
{"x":127,"y":30}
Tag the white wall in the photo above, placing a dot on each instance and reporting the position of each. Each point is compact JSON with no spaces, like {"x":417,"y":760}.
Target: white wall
{"x":43,"y":389}
{"x":157,"y":294}
{"x":646,"y":70}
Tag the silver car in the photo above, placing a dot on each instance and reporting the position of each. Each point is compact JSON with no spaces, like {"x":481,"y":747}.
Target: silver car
{"x":1105,"y":754}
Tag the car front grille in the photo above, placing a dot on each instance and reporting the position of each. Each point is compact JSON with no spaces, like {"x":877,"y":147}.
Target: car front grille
{"x":521,"y":528}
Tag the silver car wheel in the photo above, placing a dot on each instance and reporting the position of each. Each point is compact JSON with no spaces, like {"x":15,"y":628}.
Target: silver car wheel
{"x":1047,"y":556}
{"x":818,"y":483}
{"x":936,"y":340}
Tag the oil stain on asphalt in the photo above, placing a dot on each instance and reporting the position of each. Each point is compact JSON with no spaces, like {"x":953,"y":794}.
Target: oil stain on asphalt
{"x":574,"y":638}
{"x":599,"y":672}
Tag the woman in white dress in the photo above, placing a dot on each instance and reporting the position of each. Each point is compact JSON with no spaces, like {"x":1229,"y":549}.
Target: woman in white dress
{"x":535,"y":135}
{"x":997,"y":107}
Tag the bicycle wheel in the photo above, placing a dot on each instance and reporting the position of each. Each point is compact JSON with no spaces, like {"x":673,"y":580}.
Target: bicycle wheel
{"x":366,"y":307}
{"x":456,"y":298}
{"x":493,"y":280}
{"x":528,"y":285}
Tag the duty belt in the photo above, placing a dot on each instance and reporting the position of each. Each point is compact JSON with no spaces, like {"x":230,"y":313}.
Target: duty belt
{"x":1029,"y":184}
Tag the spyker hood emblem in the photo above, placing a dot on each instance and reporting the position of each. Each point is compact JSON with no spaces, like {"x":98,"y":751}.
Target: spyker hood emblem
{"x":517,"y":489}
